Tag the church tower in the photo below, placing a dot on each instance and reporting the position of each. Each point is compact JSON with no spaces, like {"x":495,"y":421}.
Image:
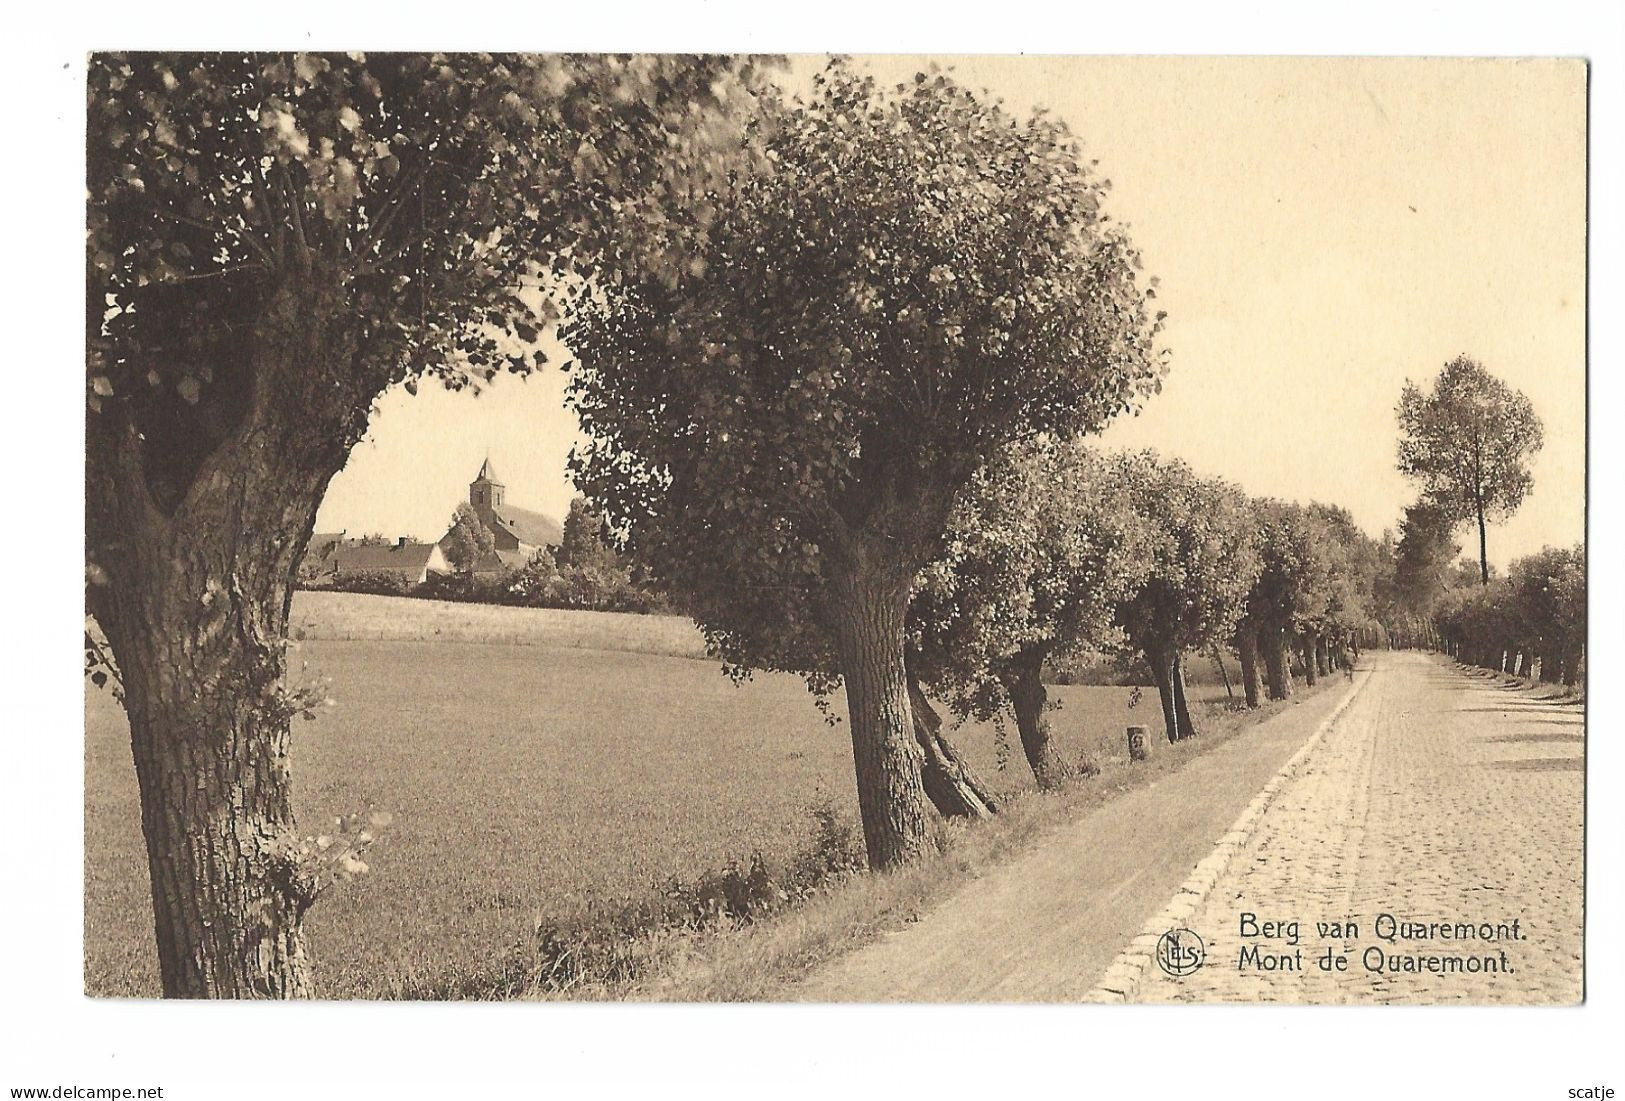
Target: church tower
{"x":485,"y":493}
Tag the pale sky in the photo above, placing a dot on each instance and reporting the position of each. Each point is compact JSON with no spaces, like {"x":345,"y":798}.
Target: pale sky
{"x":1324,"y":230}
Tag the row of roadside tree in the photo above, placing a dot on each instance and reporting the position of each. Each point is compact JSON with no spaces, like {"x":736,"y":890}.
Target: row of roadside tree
{"x":1531,"y":623}
{"x":833,"y":349}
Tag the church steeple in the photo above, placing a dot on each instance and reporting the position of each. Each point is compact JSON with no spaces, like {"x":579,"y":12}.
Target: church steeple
{"x":485,"y":491}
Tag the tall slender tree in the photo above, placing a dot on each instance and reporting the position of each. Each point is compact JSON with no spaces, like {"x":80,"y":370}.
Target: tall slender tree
{"x":1467,"y":441}
{"x":582,"y":543}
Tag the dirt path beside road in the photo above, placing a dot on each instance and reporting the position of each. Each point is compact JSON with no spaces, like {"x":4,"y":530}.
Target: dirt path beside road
{"x":1045,"y":927}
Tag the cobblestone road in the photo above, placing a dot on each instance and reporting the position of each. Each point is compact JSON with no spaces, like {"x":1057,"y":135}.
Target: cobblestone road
{"x":1437,"y":798}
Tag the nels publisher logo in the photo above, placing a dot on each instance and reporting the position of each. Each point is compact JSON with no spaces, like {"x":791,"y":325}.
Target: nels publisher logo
{"x":1179,"y":952}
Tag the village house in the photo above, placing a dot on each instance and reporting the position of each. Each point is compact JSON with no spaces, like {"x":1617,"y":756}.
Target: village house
{"x":410,"y":561}
{"x":516,"y":534}
{"x":332,"y":556}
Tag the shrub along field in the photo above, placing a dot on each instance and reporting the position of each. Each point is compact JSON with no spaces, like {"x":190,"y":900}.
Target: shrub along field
{"x":351,"y":617}
{"x":533,"y":779}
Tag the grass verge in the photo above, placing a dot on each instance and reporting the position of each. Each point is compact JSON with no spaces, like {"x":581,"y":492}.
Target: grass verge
{"x":753,"y":941}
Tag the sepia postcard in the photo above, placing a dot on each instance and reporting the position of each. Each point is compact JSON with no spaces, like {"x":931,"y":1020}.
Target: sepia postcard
{"x":839,"y":529}
{"x":1068,"y":540}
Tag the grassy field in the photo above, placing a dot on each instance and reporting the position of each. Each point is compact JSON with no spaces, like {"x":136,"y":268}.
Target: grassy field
{"x":528,"y":778}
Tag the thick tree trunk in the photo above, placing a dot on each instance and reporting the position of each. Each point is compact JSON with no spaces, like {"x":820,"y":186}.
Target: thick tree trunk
{"x":1182,"y":707}
{"x":1162,"y":673}
{"x":868,"y":605}
{"x":1323,"y":655}
{"x":192,"y":572}
{"x":1247,"y":648}
{"x":952,"y":785}
{"x":1277,"y":663}
{"x":1310,"y":673}
{"x":195,"y":610}
{"x":228,"y":892}
{"x":1483,"y":549}
{"x":1023,"y":680}
{"x":1572,"y":657}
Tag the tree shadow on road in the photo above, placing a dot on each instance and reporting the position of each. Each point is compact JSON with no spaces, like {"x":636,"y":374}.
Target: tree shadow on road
{"x":1565,"y":721}
{"x":1541,"y":764}
{"x":1580,"y":738}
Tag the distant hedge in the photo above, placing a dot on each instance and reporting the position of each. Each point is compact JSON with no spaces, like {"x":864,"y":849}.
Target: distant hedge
{"x":1534,"y":619}
{"x":538,"y":585}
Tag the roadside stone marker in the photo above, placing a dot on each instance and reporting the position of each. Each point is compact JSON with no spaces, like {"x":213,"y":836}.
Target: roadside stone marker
{"x":1137,"y":743}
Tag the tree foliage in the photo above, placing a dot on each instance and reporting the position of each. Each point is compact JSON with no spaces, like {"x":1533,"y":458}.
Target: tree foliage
{"x":1358,"y":571}
{"x":918,"y":281}
{"x":915,"y":282}
{"x":1294,"y":588}
{"x":1202,"y":560}
{"x":1043,"y":547}
{"x":1423,"y":557}
{"x":1538,"y":612}
{"x":583,"y":543}
{"x":273,"y":241}
{"x":428,"y":191}
{"x":468,"y":540}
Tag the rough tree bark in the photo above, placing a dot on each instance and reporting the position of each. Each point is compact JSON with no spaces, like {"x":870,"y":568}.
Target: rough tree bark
{"x":1277,"y":663}
{"x":1323,"y":655}
{"x":1023,"y":680}
{"x":1247,"y":648}
{"x":868,"y":606}
{"x":1310,"y":674}
{"x":1182,"y":707}
{"x":950,"y":783}
{"x":191,"y":589}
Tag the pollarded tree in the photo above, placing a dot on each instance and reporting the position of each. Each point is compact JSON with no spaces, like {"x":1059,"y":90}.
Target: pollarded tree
{"x":467,"y":540}
{"x":1352,"y":565}
{"x":1043,"y":548}
{"x":1548,"y":593}
{"x":1289,"y":596}
{"x":1467,"y":442}
{"x":1480,"y":623}
{"x":918,"y":282}
{"x":274,"y":240}
{"x":1201,"y":563}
